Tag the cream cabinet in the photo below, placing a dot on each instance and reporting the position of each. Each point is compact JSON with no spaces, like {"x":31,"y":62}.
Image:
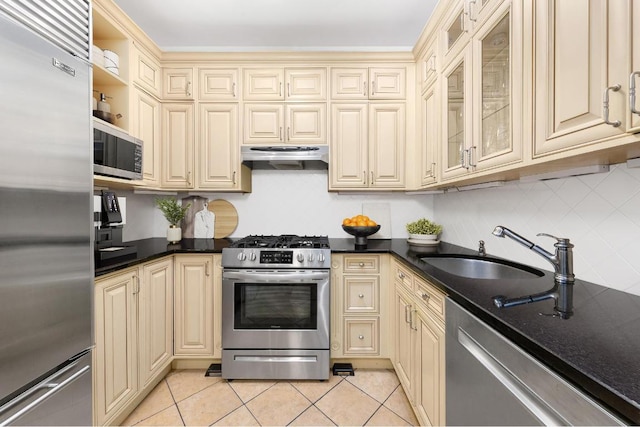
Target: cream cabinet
{"x":483,"y":91}
{"x":430,"y":120}
{"x":300,"y":123}
{"x":155,"y":318}
{"x":367,"y":146}
{"x":359,"y":323}
{"x":419,"y":347}
{"x":133,"y":332}
{"x":218,"y":84}
{"x":116,"y":368}
{"x":368,"y":83}
{"x":284,"y":84}
{"x":146,"y":126}
{"x":194,"y":302}
{"x":220,"y":166}
{"x":177,"y":83}
{"x":177,"y":145}
{"x":582,"y":52}
{"x":146,"y":73}
{"x":634,"y":72}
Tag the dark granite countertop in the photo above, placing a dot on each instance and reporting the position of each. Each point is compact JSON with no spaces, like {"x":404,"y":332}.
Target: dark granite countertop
{"x":597,"y":349}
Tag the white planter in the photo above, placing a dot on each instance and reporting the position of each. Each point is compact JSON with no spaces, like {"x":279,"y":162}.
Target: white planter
{"x":174,"y":234}
{"x":423,"y":237}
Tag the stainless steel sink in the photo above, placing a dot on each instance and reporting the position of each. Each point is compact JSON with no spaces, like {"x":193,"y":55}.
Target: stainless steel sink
{"x":482,"y":268}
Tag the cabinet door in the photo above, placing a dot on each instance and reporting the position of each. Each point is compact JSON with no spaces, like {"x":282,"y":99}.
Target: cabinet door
{"x":428,"y":65}
{"x":306,"y":84}
{"x":387,"y":83}
{"x":116,"y":372}
{"x":263,"y":84}
{"x":430,"y":119}
{"x":498,"y":86}
{"x":146,"y":126}
{"x":455,"y":30}
{"x":177,"y":145}
{"x":263,"y":123}
{"x":361,"y":336}
{"x":155,"y":308}
{"x":457,"y":115}
{"x":193,"y":312}
{"x":403,"y":353}
{"x":178,"y":83}
{"x":306,"y":123}
{"x":146,"y":73}
{"x":361,"y":294}
{"x":429,"y":375}
{"x":349,"y":83}
{"x":218,"y":146}
{"x":571,"y":77}
{"x":387,"y":145}
{"x":349,"y":146}
{"x":218,"y":84}
{"x":634,"y":104}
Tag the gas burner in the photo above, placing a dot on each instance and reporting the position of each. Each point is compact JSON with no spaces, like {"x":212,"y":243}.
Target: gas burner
{"x":283,"y":241}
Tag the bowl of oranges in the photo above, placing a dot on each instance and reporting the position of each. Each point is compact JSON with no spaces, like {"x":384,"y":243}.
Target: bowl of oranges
{"x":360,"y":227}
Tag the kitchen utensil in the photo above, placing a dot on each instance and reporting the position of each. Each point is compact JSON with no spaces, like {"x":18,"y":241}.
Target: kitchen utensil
{"x":226,"y":218}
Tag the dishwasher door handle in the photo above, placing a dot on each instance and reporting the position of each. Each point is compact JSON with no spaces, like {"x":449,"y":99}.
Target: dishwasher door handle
{"x":516,"y":387}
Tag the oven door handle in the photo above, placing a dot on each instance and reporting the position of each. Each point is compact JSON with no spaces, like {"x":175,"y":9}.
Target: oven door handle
{"x":276,"y":276}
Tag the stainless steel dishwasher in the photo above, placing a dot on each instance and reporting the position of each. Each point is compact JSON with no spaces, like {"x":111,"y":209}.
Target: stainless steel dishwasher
{"x":491,"y":381}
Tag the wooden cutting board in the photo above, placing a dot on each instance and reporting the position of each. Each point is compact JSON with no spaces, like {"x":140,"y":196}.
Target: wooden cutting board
{"x":226,"y":218}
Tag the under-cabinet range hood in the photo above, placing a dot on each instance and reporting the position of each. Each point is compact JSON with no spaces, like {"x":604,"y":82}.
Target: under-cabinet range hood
{"x":286,"y":157}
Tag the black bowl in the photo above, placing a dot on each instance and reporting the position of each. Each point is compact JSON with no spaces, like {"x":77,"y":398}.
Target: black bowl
{"x":361,"y":233}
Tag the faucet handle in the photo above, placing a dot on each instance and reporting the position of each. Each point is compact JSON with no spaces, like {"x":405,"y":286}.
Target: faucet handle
{"x":561,"y":241}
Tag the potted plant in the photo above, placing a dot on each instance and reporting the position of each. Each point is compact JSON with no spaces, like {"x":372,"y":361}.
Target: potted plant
{"x":423,"y":229}
{"x":174,"y":213}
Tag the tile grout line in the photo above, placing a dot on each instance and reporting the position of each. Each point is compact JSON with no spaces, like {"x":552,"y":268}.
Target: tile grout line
{"x":410,"y":407}
{"x":174,"y":401}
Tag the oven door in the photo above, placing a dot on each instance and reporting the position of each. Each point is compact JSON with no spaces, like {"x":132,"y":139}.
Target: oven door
{"x":275,"y":309}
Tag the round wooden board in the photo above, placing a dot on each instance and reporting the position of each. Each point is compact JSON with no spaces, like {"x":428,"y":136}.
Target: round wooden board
{"x":226,"y":218}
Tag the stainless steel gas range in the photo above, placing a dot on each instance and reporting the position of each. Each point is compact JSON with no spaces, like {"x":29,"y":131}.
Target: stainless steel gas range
{"x":275,"y":308}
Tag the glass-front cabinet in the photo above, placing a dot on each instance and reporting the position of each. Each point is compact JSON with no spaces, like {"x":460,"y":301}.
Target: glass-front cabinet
{"x":482,"y":89}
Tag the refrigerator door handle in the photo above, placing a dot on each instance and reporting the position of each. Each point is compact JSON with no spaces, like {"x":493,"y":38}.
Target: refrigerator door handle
{"x":49,"y":384}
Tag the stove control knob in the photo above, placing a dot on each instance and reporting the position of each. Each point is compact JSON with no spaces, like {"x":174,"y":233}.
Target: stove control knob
{"x":320,"y":257}
{"x":300,"y":258}
{"x":252,"y":256}
{"x":311,"y":258}
{"x":242,"y":256}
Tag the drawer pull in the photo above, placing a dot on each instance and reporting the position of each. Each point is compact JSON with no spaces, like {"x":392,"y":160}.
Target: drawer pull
{"x":426,"y":296}
{"x":360,"y":295}
{"x":361,"y":264}
{"x":361,"y":337}
{"x":401,"y":275}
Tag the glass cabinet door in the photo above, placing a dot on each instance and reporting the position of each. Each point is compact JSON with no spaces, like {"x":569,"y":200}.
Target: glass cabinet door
{"x":455,"y":116}
{"x":496,"y":90}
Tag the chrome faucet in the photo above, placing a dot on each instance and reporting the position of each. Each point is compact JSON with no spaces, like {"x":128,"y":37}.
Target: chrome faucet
{"x":562,"y":261}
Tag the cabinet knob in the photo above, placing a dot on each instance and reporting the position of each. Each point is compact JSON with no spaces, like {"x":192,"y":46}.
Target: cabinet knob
{"x":361,"y":264}
{"x":425,"y":296}
{"x":361,"y":337}
{"x":360,"y":295}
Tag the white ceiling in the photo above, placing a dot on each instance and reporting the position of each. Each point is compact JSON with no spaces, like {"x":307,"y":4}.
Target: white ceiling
{"x":281,"y":25}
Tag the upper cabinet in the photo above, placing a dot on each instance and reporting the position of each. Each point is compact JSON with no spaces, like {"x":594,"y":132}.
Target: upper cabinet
{"x":285,"y":84}
{"x":483,"y":90}
{"x":368,"y":83}
{"x":146,"y":72}
{"x":112,"y":77}
{"x":177,"y":83}
{"x":218,"y":84}
{"x":584,"y":60}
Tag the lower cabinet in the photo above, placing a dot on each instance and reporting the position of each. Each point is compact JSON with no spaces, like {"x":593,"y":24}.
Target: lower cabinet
{"x":359,"y":308}
{"x":133,"y":325}
{"x":196,"y":278}
{"x":419,"y":358}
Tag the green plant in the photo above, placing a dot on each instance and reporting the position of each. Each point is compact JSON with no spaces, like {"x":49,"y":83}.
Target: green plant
{"x":423,"y":226}
{"x":172,"y":211}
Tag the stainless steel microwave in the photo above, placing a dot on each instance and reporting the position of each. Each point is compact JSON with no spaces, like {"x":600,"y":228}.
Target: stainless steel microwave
{"x":116,"y":153}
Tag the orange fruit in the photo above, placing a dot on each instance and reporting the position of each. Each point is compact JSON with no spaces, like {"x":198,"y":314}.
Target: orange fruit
{"x":346,"y":221}
{"x":371,"y":223}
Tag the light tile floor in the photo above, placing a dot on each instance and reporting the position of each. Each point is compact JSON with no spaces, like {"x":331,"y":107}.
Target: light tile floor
{"x":186,"y":397}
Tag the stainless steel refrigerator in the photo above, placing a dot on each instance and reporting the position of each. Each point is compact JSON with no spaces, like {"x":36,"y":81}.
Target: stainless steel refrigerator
{"x":46,"y":268}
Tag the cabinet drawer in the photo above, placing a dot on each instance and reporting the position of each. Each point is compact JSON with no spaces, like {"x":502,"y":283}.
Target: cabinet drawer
{"x":403,"y":276}
{"x":361,"y":294}
{"x":362,"y":264}
{"x":361,"y":336}
{"x":430,"y":296}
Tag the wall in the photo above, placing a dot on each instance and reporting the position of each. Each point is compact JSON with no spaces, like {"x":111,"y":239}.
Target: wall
{"x":289,"y":202}
{"x":600,"y":214}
